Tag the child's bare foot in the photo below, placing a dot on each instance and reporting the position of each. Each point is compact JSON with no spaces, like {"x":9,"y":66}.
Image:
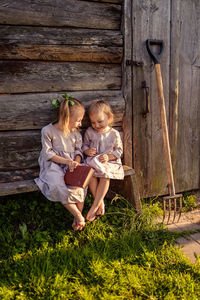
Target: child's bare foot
{"x":91,"y":215}
{"x":101,"y":209}
{"x":78,"y":223}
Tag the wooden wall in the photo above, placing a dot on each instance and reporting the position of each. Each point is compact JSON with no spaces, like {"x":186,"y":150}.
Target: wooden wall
{"x":47,"y":47}
{"x":177,"y":23}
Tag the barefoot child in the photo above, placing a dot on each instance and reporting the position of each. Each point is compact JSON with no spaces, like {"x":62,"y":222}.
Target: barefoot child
{"x":61,"y":149}
{"x":103,"y":148}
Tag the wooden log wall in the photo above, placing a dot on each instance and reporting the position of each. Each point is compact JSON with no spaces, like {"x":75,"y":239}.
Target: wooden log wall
{"x":46,"y":48}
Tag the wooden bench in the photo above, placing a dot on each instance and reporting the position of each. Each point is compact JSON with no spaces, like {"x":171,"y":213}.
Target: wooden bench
{"x":130,"y":191}
{"x":20,"y":148}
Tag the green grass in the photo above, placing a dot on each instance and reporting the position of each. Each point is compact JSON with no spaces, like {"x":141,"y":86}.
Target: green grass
{"x":119,"y":256}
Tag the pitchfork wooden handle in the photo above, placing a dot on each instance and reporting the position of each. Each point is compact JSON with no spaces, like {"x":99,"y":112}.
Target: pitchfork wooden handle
{"x":165,"y":130}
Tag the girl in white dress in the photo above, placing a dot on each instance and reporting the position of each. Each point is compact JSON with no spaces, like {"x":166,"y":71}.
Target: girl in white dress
{"x":61,"y":149}
{"x":103,"y":149}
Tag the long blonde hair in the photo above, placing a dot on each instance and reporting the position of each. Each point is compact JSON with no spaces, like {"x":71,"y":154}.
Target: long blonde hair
{"x":101,"y":105}
{"x":66,"y":110}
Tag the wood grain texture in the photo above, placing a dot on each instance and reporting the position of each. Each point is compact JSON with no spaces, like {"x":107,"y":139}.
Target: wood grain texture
{"x":58,"y":13}
{"x":127,"y":85}
{"x":17,"y":187}
{"x":33,"y":111}
{"x":19,"y":150}
{"x":56,"y":44}
{"x":108,"y":1}
{"x":174,"y":81}
{"x":23,"y":76}
{"x":188,"y":149}
{"x":18,"y":175}
{"x":149,"y":21}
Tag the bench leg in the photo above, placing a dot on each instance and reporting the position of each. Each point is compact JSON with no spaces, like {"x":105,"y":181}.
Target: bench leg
{"x":127,"y":188}
{"x":132,"y":191}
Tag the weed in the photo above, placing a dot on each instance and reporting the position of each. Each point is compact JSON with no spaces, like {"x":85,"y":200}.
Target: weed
{"x":189,"y":202}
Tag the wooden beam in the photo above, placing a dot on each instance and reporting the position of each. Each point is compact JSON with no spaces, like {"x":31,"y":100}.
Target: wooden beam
{"x":17,"y":187}
{"x":61,"y":13}
{"x":55,"y":44}
{"x":23,"y":76}
{"x":18,"y":175}
{"x":19,"y":150}
{"x":127,"y":85}
{"x":29,"y":35}
{"x":33,"y":111}
{"x":108,"y":1}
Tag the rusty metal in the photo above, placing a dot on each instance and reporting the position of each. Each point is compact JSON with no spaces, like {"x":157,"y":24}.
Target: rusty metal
{"x":147,"y":98}
{"x":134,"y":63}
{"x":172,"y":208}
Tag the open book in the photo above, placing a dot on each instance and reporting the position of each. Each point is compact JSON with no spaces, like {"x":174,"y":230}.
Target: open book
{"x":79,"y":177}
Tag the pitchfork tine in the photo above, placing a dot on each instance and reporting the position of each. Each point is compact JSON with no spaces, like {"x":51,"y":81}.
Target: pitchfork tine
{"x":164,"y":209}
{"x":180,"y":206}
{"x":169,"y":211}
{"x":174,"y":210}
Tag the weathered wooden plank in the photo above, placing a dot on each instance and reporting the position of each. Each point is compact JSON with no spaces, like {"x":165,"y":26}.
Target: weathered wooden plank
{"x":29,"y":35}
{"x":149,"y":22}
{"x":17,"y":187}
{"x":61,"y":53}
{"x":19,"y":150}
{"x":57,"y":13}
{"x":33,"y":111}
{"x":188,"y":149}
{"x":23,"y":76}
{"x":18,"y":175}
{"x":108,"y":1}
{"x":55,"y":44}
{"x":127,"y":85}
{"x":174,"y":81}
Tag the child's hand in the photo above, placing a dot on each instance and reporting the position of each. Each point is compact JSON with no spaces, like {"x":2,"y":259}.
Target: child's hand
{"x":103,"y":158}
{"x":91,"y":152}
{"x":72,"y":165}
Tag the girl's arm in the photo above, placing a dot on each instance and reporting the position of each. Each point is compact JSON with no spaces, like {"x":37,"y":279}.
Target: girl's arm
{"x":61,"y":160}
{"x":106,"y":157}
{"x":65,"y":161}
{"x":78,"y":148}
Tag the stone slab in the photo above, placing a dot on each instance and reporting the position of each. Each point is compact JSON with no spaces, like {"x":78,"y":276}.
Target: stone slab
{"x":190,"y":247}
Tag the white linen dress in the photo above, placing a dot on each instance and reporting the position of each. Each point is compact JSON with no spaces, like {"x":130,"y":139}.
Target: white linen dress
{"x":51,"y":177}
{"x":105,"y":143}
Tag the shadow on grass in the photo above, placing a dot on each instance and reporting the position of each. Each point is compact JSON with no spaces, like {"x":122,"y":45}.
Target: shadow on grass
{"x":120,"y":255}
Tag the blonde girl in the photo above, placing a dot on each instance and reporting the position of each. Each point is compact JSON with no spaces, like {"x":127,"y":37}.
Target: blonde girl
{"x":61,"y":149}
{"x":103,"y":149}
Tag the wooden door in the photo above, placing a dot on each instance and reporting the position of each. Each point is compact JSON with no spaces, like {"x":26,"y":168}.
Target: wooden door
{"x":176,"y":23}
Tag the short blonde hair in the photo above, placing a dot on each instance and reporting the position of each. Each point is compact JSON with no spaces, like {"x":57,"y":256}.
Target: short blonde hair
{"x":101,"y":105}
{"x":66,"y":110}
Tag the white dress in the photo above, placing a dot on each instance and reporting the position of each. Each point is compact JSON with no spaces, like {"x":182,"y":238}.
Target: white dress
{"x":51,"y":177}
{"x":109,"y":143}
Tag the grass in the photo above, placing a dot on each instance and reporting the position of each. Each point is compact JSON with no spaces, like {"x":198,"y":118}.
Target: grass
{"x":119,"y":256}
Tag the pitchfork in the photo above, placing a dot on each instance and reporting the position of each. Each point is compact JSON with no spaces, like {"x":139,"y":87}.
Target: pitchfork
{"x":173,"y":201}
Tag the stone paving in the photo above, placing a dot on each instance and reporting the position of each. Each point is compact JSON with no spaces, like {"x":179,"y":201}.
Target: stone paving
{"x":191,"y":245}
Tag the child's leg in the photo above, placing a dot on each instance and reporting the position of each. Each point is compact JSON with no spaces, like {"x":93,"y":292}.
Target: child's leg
{"x":101,"y":209}
{"x":80,"y":208}
{"x":79,"y":219}
{"x":101,"y":191}
{"x":93,"y":187}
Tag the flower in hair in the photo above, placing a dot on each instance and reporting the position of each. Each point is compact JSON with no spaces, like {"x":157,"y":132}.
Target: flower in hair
{"x":56,"y":103}
{"x":67,"y":98}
